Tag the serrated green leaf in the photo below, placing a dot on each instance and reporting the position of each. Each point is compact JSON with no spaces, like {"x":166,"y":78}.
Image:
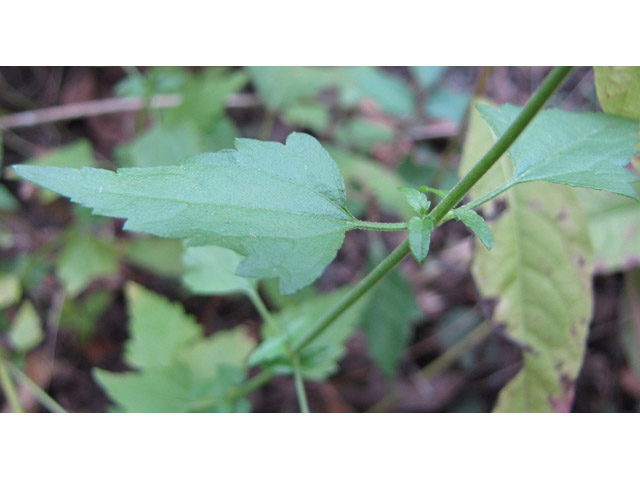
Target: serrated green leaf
{"x":477,"y":224}
{"x":207,"y":355}
{"x":85,"y":258}
{"x":416,"y":199}
{"x":618,"y":90}
{"x":280,"y":87}
{"x":211,"y":270}
{"x":10,"y":289}
{"x":162,"y":145}
{"x":158,"y":329}
{"x":282,"y":206}
{"x":386,"y":319}
{"x":579,"y":149}
{"x":614,"y":225}
{"x":420,"y":237}
{"x":319,"y":359}
{"x":25,"y":332}
{"x":539,"y":271}
{"x":154,"y":390}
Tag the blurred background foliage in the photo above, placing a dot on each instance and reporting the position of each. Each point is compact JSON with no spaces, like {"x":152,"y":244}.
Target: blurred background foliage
{"x":104,"y":319}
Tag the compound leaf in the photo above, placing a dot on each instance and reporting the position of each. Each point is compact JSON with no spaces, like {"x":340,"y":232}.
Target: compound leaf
{"x":578,"y":149}
{"x":281,"y":206}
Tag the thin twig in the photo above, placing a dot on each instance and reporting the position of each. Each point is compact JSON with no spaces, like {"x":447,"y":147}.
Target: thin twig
{"x":107,"y":106}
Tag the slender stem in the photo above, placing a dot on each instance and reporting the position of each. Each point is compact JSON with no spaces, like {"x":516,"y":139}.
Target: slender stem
{"x":8,"y":387}
{"x":262,"y":309}
{"x":379,"y":226}
{"x":491,"y":195}
{"x":549,"y":85}
{"x":533,"y":106}
{"x":393,"y":259}
{"x":302,"y":395}
{"x":43,"y":397}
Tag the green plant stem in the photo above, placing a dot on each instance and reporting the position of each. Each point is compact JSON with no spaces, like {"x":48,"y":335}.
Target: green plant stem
{"x":533,"y":106}
{"x":300,"y":392}
{"x":262,"y":309}
{"x":491,"y":195}
{"x":43,"y":397}
{"x":455,"y":195}
{"x":8,"y":387}
{"x":379,"y":226}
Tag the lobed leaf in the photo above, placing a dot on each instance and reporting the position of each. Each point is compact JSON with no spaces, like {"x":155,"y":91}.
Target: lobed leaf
{"x":281,"y":206}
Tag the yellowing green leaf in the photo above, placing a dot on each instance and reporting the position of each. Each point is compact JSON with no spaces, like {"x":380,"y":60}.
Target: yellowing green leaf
{"x":539,"y":271}
{"x":614,"y":225}
{"x":618,"y":90}
{"x":281,"y":206}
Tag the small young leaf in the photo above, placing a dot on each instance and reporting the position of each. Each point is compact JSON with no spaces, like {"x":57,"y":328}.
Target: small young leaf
{"x":477,"y":224}
{"x":26,"y":332}
{"x":416,"y":199}
{"x":420,"y":237}
{"x":440,"y":193}
{"x":281,"y":206}
{"x":579,"y":149}
{"x":212,"y":271}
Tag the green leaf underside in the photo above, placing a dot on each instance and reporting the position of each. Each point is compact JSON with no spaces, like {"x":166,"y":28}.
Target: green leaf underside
{"x":281,"y":206}
{"x":579,"y":149}
{"x":420,"y":237}
{"x":477,"y":224}
{"x":540,"y":273}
